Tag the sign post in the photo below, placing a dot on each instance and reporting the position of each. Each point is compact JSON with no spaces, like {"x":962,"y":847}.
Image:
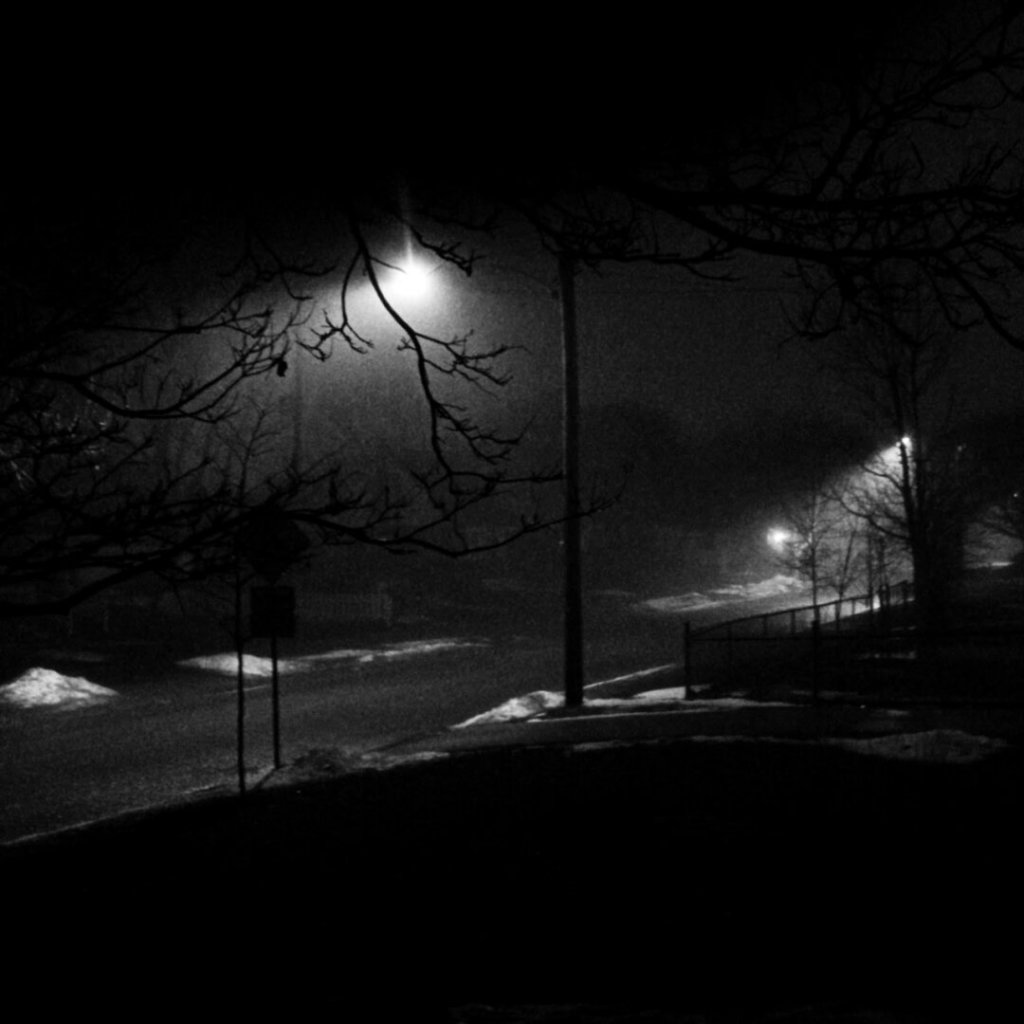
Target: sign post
{"x":271,"y":542}
{"x":272,"y":614}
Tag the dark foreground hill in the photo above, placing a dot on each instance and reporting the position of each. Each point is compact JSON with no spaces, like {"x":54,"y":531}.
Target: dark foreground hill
{"x":716,"y":876}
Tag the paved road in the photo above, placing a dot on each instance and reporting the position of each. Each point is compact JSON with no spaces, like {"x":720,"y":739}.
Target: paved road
{"x":161,"y":738}
{"x":171,"y":731}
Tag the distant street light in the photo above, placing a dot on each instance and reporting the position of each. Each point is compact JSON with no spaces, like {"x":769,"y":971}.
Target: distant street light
{"x":896,"y":455}
{"x":780,"y":538}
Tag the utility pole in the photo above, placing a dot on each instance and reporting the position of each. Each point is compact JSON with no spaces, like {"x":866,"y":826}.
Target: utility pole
{"x":573,"y":639}
{"x":298,"y":410}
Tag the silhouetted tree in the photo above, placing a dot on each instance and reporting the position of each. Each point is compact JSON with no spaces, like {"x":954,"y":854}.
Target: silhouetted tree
{"x":898,"y":151}
{"x":901,"y":152}
{"x":140,"y":429}
{"x":822,"y":541}
{"x":898,"y":159}
{"x":920,"y":489}
{"x":998,"y":443}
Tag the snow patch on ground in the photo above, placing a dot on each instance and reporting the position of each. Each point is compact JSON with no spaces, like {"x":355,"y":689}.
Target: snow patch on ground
{"x":678,"y":693}
{"x":340,"y":654}
{"x":632,"y":676}
{"x":43,"y":687}
{"x":676,"y":604}
{"x":675,"y":699}
{"x":413,"y":647}
{"x":323,"y":763}
{"x":533,"y":705}
{"x":943,"y":746}
{"x":516,"y":709}
{"x":699,"y":704}
{"x":252,"y":665}
{"x":227,"y":663}
{"x":947,"y":746}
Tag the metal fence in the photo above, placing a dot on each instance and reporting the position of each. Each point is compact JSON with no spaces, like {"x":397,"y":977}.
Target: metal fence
{"x":778,"y":640}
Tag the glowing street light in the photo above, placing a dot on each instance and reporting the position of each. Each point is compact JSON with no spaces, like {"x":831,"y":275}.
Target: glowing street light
{"x":780,"y":538}
{"x":409,"y":281}
{"x":891,"y":459}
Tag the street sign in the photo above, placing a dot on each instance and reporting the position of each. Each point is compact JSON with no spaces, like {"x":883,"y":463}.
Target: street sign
{"x":272,"y":611}
{"x":271,"y":542}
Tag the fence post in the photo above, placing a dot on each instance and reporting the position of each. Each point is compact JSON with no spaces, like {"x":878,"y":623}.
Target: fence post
{"x":815,"y":654}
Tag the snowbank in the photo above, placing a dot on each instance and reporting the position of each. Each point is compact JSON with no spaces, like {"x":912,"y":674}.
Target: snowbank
{"x":517,"y":708}
{"x":413,"y":647}
{"x":43,"y":687}
{"x":948,"y":746}
{"x":253,"y":665}
{"x":533,"y":705}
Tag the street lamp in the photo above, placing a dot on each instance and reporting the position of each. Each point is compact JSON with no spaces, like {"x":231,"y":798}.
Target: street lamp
{"x":410,"y":280}
{"x":896,"y":455}
{"x":573,"y":641}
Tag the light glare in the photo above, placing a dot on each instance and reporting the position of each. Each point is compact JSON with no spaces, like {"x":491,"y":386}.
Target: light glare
{"x":409,"y":281}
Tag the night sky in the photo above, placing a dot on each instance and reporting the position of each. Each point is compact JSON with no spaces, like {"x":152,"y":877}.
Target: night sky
{"x":368,"y":113}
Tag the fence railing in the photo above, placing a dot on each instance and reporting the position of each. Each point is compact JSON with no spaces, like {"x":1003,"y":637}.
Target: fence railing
{"x":871,"y":613}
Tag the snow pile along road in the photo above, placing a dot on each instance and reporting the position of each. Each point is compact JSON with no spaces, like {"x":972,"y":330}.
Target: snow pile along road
{"x":940,"y":745}
{"x":517,"y":709}
{"x":259,"y":667}
{"x":43,"y":687}
{"x":252,"y":665}
{"x":387,"y":652}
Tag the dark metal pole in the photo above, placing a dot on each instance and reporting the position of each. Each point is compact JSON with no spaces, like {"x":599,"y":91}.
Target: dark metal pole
{"x":815,"y":655}
{"x":240,"y":717}
{"x":240,"y":724}
{"x":687,"y":659}
{"x":299,"y":400}
{"x":570,"y":455}
{"x":275,"y":700}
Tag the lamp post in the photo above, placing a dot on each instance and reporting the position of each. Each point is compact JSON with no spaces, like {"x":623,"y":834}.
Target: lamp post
{"x":298,"y":411}
{"x":411,"y":281}
{"x":573,"y":609}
